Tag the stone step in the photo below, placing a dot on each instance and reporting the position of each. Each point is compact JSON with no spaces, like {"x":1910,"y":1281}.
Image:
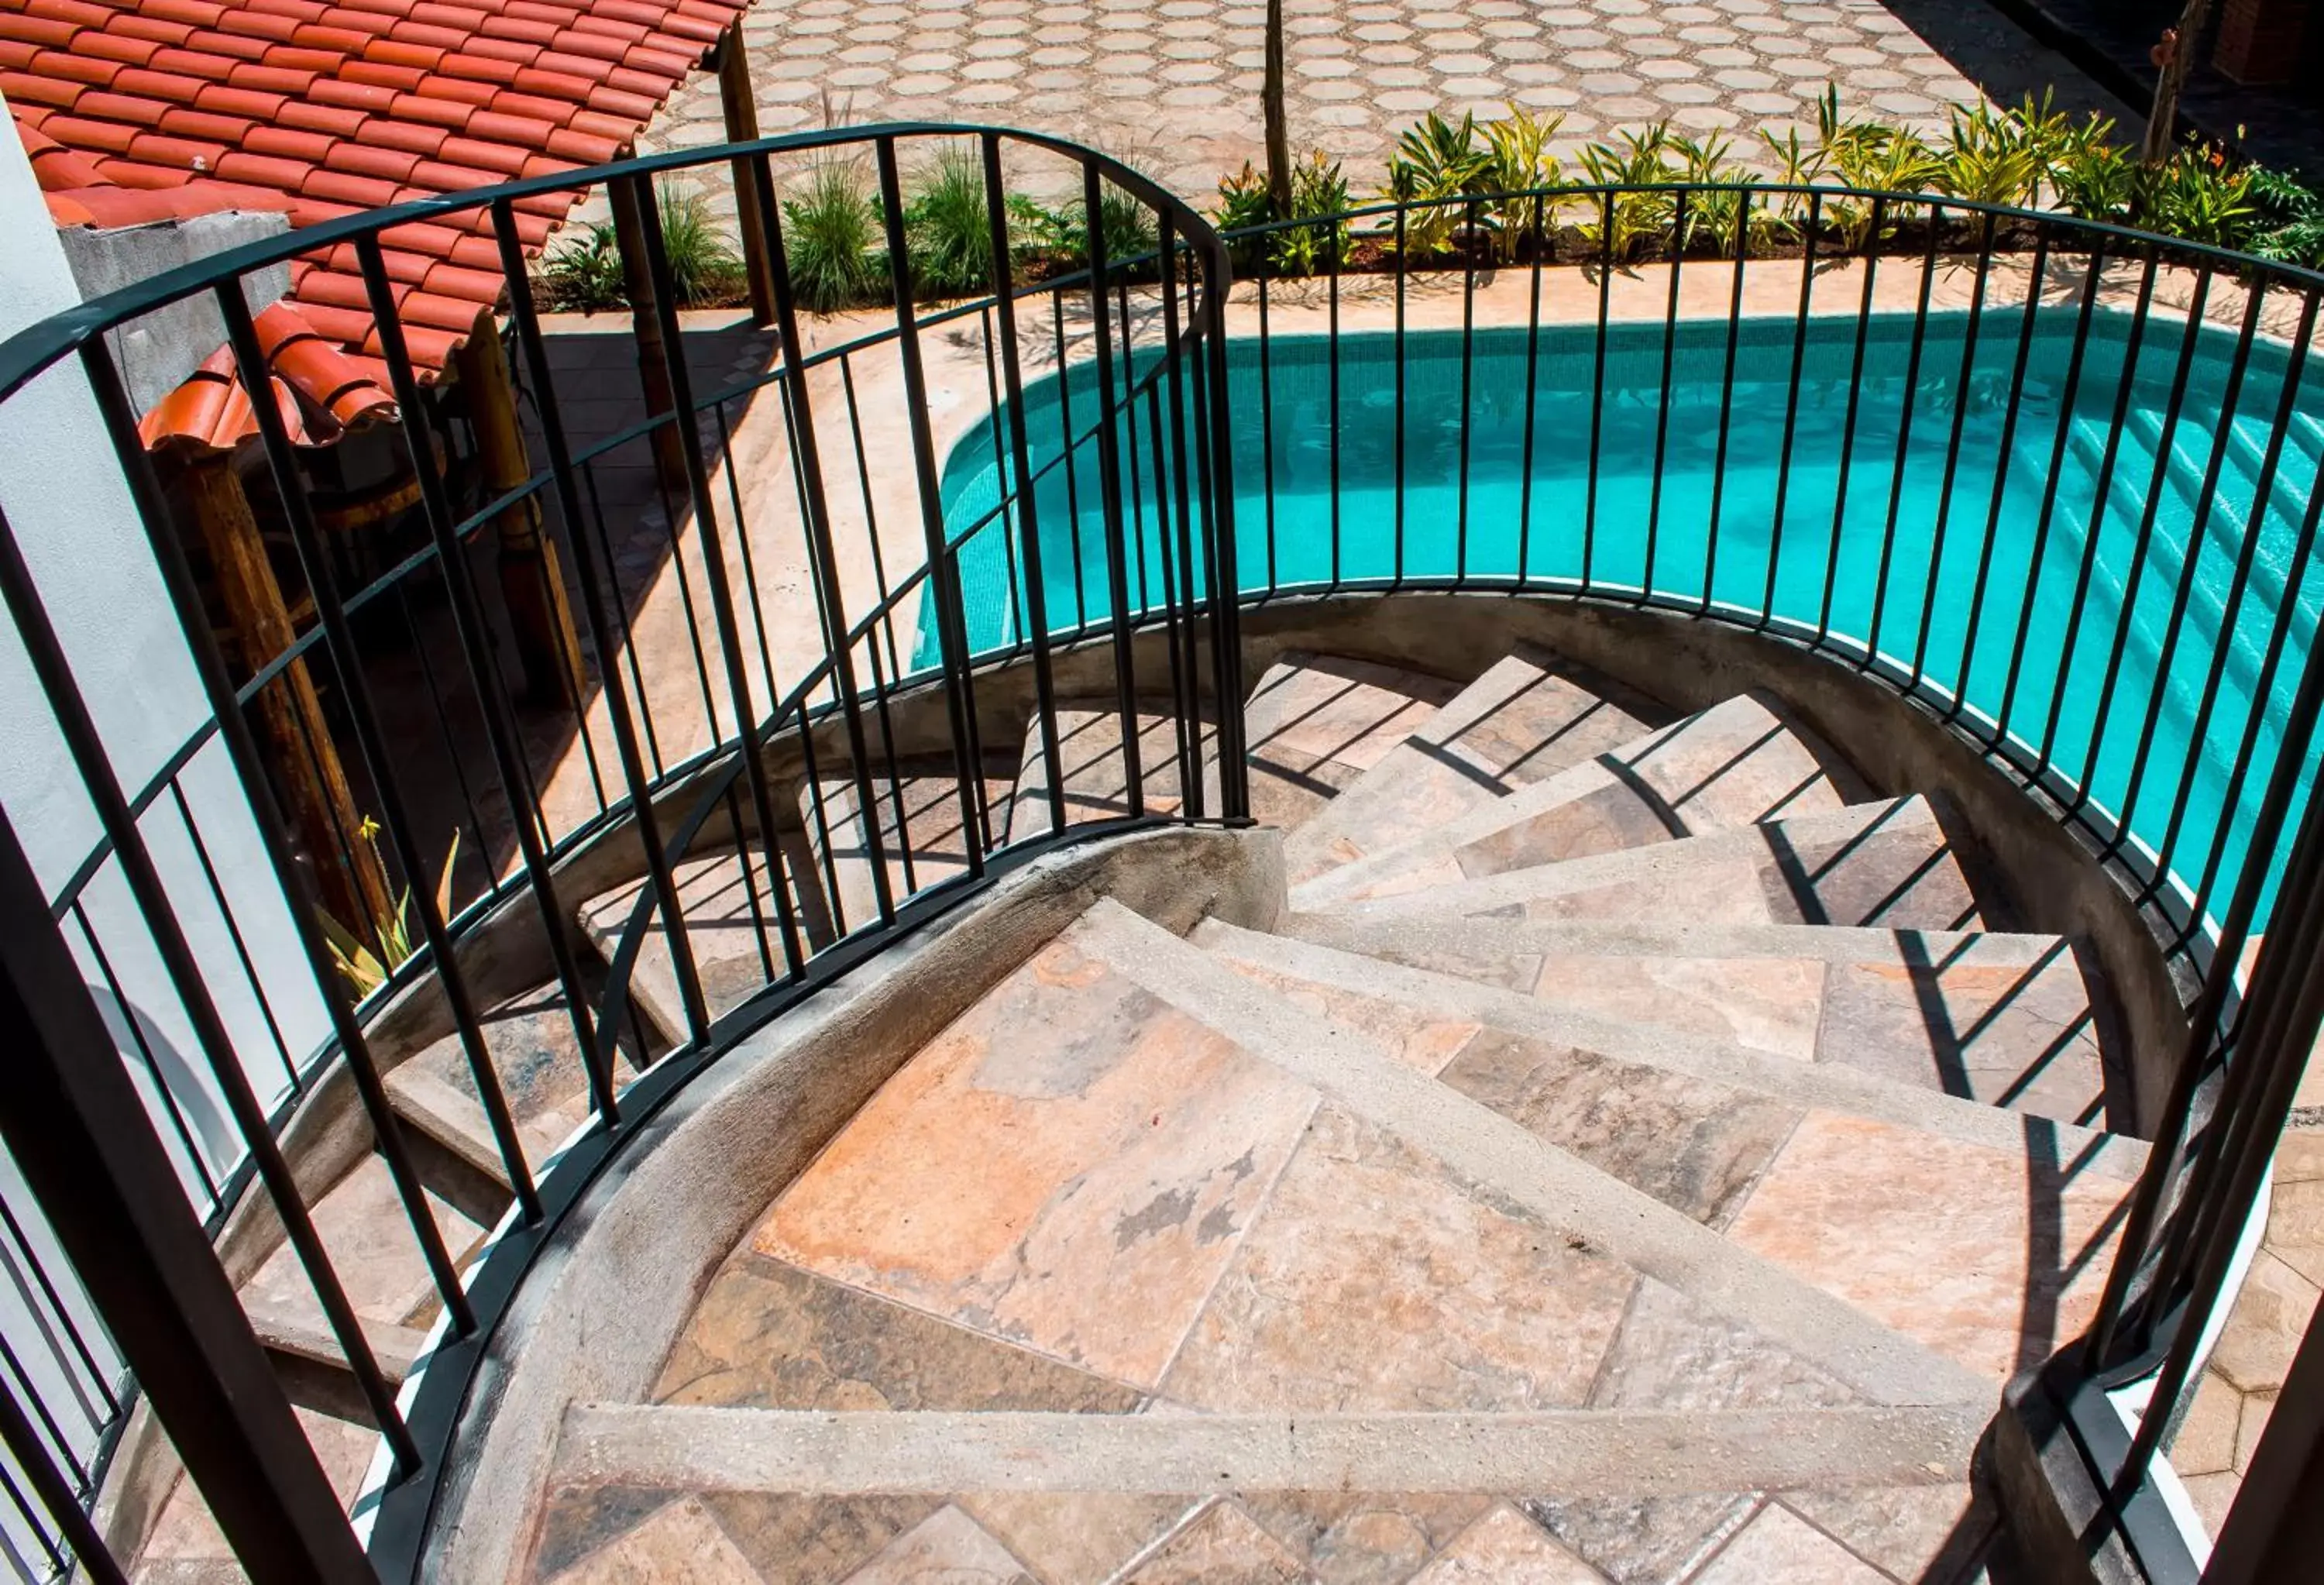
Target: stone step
{"x":1885,"y":862}
{"x":536,"y":1055}
{"x":732,"y":930}
{"x":1316,"y":723}
{"x":2007,"y":1020}
{"x":918,"y":822}
{"x":1528,"y":717}
{"x":1833,"y":1250}
{"x":1434,"y":1016}
{"x":1579,"y":1497}
{"x":313,"y":1368}
{"x":1095,"y":773}
{"x":1736,"y":763}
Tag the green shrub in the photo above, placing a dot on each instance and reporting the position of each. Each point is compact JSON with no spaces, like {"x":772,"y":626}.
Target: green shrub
{"x":948,"y":227}
{"x":1437,"y":162}
{"x":1319,"y":192}
{"x":2197,"y":195}
{"x":832,"y":241}
{"x":2290,"y":217}
{"x":583,"y":273}
{"x":1636,"y":158}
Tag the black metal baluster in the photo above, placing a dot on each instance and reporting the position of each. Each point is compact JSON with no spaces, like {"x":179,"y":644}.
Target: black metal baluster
{"x":1109,"y":464}
{"x":1952,"y":450}
{"x":1468,"y":394}
{"x":2006,"y":453}
{"x":119,"y":417}
{"x":823,"y":560}
{"x":501,"y":732}
{"x":1727,"y":397}
{"x":1037,"y":602}
{"x":2068,"y":398}
{"x":1532,"y":395}
{"x":1847,"y":429}
{"x":1663,"y":404}
{"x":1905,"y":417}
{"x":2206,"y":501}
{"x":1597,"y":389}
{"x":604,"y":639}
{"x":1792,"y":408}
{"x":715,"y":576}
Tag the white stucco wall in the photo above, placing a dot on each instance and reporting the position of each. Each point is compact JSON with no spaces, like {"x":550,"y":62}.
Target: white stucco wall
{"x":71,"y":512}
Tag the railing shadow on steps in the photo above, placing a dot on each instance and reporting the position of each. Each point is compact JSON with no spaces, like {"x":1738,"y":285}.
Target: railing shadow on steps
{"x":1385,"y":419}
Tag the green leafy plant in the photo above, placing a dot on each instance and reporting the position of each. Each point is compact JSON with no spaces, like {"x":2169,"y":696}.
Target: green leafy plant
{"x":2291,"y":216}
{"x":362,"y":967}
{"x":832,"y":240}
{"x":584,"y":274}
{"x":1993,"y":157}
{"x":2197,"y":195}
{"x":2091,"y":176}
{"x":1870,"y":154}
{"x":1636,"y":159}
{"x":1714,"y":217}
{"x":704,"y":270}
{"x":1517,"y":161}
{"x":1437,"y":163}
{"x":948,"y":227}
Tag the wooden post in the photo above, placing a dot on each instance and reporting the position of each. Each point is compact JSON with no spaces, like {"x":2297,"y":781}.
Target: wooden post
{"x":532,"y":579}
{"x":1276,"y":116}
{"x":2173,"y":58}
{"x":741,"y":107}
{"x":306,"y":762}
{"x":653,"y":372}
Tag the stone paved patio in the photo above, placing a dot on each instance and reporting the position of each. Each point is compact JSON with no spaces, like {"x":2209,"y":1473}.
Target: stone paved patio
{"x":1172,"y":85}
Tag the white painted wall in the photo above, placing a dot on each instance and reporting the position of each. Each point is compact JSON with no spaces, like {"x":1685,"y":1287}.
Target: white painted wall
{"x":71,"y":515}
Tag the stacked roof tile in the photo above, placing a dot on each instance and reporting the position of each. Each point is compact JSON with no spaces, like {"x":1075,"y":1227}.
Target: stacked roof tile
{"x":140,"y":110}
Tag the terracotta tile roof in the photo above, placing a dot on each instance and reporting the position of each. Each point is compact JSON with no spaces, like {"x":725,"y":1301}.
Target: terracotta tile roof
{"x":142,"y":110}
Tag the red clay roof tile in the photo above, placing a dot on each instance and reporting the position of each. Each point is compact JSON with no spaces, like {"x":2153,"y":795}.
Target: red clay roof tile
{"x":330,"y":120}
{"x":266,"y":169}
{"x":382,"y":74}
{"x":179,"y":122}
{"x":200,"y":13}
{"x":114,"y":47}
{"x":322,"y":108}
{"x":582,"y":148}
{"x":408,"y":136}
{"x":501,"y":159}
{"x":127,"y":25}
{"x":126,"y":108}
{"x":396,"y":52}
{"x":222,"y":100}
{"x":465,"y":67}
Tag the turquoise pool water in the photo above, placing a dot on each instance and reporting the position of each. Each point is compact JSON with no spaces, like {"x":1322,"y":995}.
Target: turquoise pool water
{"x":2036,"y":513}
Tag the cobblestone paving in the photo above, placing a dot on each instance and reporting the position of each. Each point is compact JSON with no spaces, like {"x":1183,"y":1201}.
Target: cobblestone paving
{"x":1173,"y":85}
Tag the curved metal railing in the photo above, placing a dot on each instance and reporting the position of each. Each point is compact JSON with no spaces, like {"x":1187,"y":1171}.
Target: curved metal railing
{"x":1538,"y":406}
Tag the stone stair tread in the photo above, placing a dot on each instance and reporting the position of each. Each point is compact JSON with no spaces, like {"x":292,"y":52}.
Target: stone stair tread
{"x":731,"y":929}
{"x":378,"y":1260}
{"x":1427,"y":1012}
{"x":1094,"y":773}
{"x":283,"y":1331}
{"x":537,"y":1056}
{"x":1316,"y":723}
{"x":1887,"y":861}
{"x":930,"y":825}
{"x":2005,"y":1019}
{"x":1736,"y":763}
{"x":1527,"y":717}
{"x":2019,"y":1281}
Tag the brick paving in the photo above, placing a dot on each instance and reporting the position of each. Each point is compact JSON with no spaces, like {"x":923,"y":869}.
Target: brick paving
{"x":1172,"y":85}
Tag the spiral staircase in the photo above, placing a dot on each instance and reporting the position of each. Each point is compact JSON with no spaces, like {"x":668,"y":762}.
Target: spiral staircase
{"x":1634,"y":1153}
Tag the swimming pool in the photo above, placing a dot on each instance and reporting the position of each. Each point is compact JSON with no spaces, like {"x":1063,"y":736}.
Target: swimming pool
{"x":1874,"y":505}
